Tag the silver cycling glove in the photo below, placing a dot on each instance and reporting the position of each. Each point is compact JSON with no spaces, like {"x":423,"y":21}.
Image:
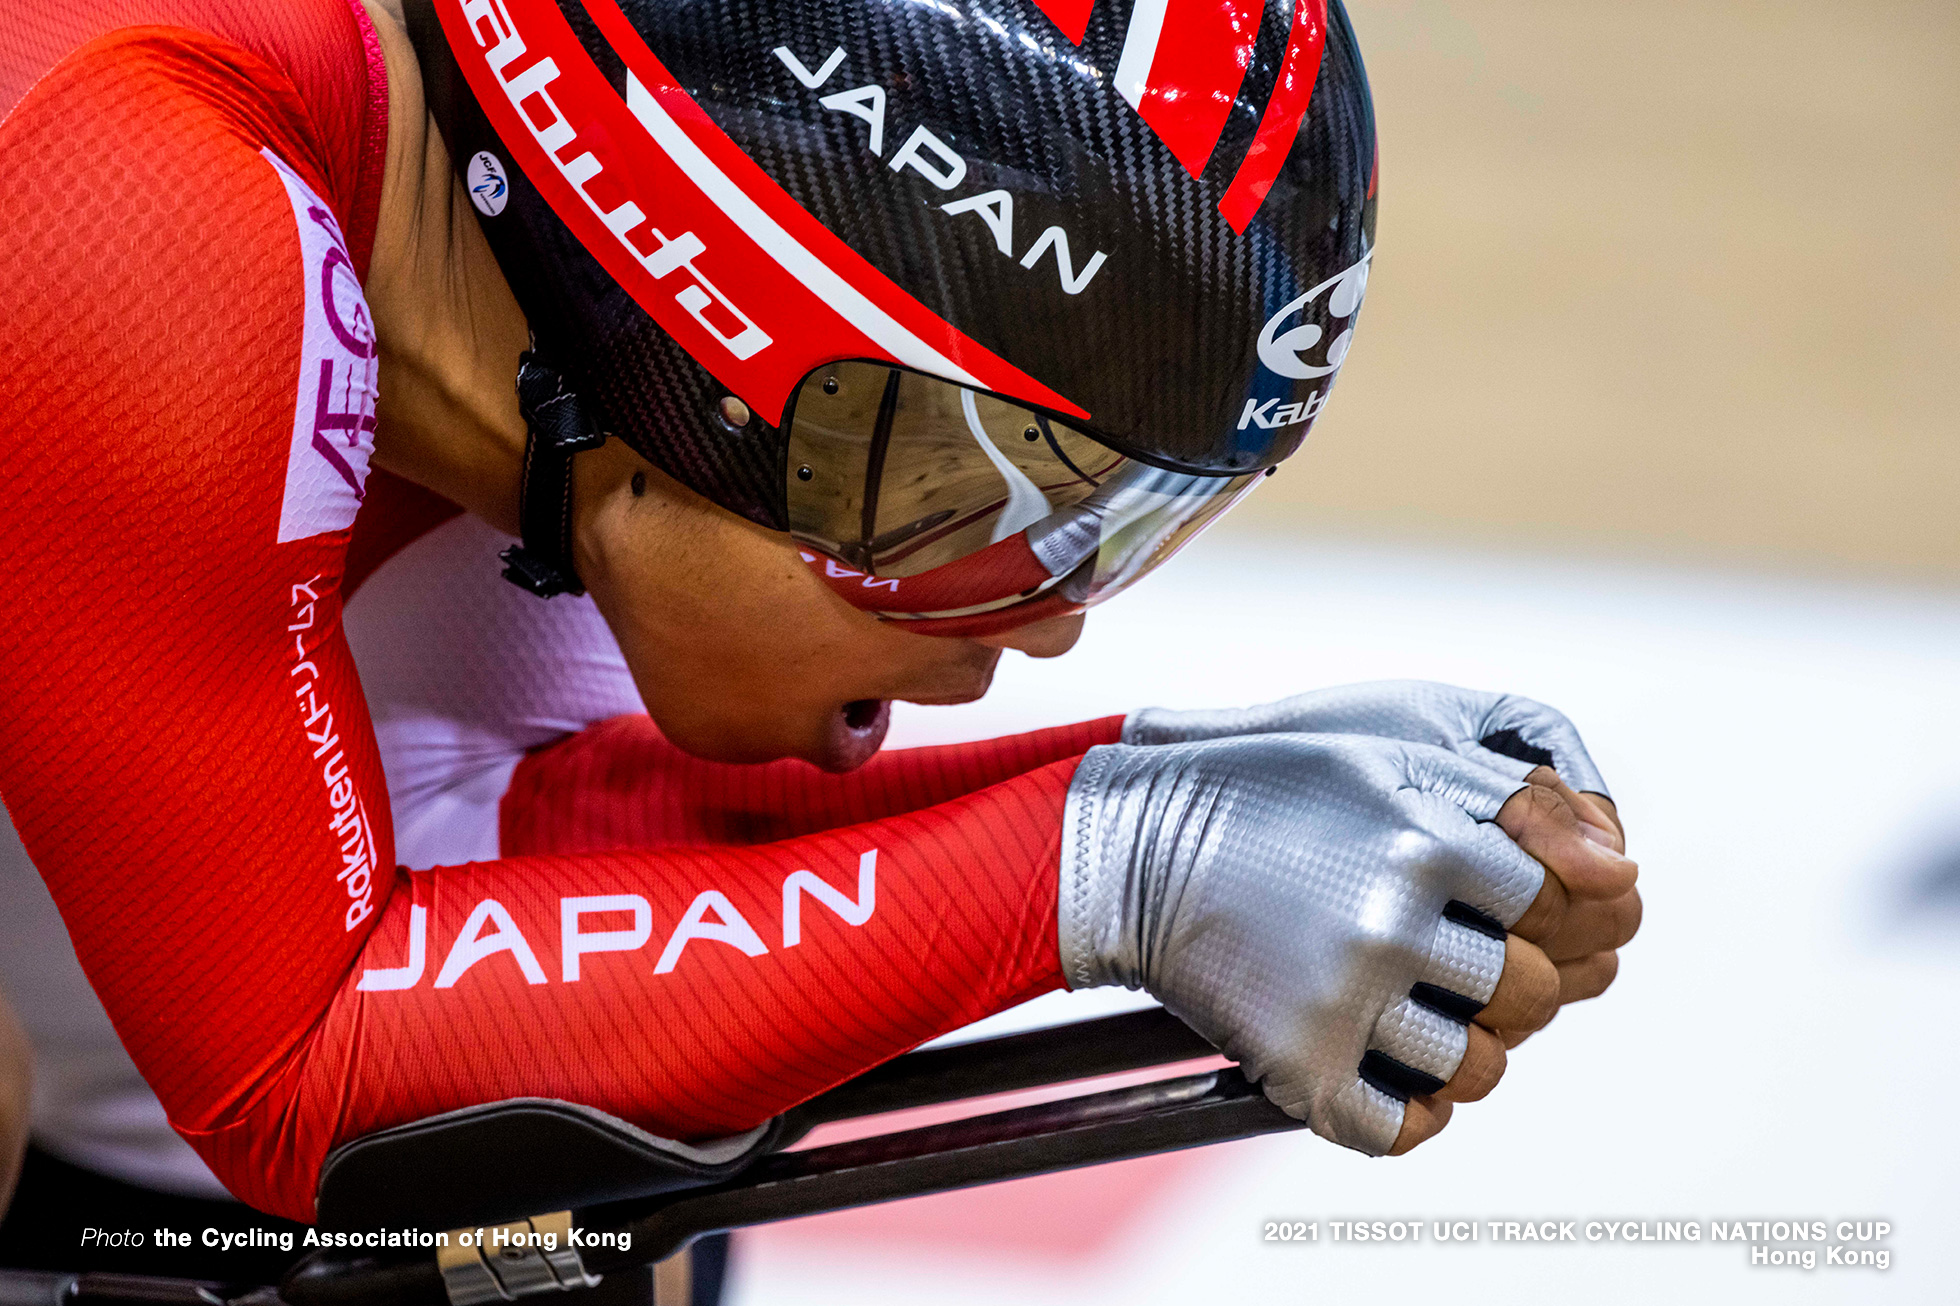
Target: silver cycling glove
{"x":1502,"y":731}
{"x":1328,"y":910}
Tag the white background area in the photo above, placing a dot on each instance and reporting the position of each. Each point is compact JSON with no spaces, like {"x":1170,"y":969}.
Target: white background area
{"x":1780,"y":1044}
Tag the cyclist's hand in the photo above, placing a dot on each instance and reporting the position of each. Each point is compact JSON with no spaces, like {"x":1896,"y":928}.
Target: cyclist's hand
{"x":1331,"y":911}
{"x":1563,"y":949}
{"x":1509,"y":734}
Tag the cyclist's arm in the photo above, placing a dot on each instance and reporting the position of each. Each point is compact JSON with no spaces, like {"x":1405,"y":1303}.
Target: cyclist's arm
{"x":620,"y":784}
{"x":185,"y":749}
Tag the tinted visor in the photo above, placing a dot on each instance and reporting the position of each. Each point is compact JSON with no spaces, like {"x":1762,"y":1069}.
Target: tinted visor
{"x":924,"y":501}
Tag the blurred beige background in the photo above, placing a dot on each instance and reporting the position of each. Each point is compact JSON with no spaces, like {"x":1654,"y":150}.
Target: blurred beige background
{"x":1667,"y":278}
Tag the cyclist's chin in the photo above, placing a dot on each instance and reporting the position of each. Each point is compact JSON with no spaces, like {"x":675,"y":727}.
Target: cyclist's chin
{"x":833,"y":733}
{"x":836,"y":738}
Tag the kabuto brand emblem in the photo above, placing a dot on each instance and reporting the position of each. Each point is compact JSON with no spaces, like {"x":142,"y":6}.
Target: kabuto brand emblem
{"x":1271,"y":414}
{"x":1286,"y":352}
{"x":704,"y":241}
{"x":529,"y":84}
{"x":489,"y":187}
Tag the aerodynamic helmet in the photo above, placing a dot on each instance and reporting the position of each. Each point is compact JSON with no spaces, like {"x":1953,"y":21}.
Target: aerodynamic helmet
{"x":990,"y":304}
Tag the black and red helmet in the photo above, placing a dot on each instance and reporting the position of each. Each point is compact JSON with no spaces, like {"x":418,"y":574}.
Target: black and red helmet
{"x":990,"y":303}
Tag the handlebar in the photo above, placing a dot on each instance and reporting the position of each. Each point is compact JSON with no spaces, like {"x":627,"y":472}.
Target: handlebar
{"x":1089,"y":1129}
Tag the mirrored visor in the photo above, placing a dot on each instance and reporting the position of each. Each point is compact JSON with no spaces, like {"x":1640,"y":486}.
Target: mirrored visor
{"x":924,"y":501}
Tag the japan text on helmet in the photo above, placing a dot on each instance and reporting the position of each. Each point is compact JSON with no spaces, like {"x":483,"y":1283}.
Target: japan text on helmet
{"x":992,"y":304}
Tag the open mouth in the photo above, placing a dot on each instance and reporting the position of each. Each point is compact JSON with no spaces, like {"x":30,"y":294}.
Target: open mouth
{"x":867,"y":713}
{"x":857,"y":732}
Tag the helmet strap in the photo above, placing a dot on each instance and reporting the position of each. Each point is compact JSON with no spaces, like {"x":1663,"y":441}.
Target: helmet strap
{"x":556,"y":428}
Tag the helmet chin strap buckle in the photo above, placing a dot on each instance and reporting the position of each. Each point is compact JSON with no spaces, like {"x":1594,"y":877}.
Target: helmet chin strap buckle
{"x":556,"y":428}
{"x":527,"y":570}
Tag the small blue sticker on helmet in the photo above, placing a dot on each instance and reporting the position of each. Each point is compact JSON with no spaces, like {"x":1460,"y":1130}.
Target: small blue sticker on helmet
{"x":489,"y":188}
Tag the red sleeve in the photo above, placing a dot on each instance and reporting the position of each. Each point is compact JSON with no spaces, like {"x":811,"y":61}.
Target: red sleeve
{"x":620,"y":784}
{"x":325,"y":52}
{"x":186,"y":413}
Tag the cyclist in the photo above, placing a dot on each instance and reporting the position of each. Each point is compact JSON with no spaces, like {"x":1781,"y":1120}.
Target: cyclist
{"x":240,"y":225}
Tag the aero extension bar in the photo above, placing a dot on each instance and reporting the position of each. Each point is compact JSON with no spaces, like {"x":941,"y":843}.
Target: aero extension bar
{"x":771,"y":1183}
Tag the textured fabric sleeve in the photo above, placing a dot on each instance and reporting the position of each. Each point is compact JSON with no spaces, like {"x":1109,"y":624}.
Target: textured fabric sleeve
{"x":184,"y":748}
{"x":620,"y":784}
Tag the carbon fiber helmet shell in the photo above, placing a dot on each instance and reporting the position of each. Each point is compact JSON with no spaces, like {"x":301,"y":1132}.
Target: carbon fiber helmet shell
{"x":1161,"y":249}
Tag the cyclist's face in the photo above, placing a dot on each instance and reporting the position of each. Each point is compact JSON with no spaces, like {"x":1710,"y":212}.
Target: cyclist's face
{"x":740,"y":652}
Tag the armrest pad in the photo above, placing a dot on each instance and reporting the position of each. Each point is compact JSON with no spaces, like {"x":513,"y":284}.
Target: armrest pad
{"x":506,"y":1160}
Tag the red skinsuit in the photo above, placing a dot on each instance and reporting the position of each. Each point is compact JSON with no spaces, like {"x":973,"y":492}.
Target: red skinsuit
{"x":187,"y":408}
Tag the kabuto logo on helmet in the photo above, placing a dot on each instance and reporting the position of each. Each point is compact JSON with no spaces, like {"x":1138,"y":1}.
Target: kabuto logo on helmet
{"x":557,"y":134}
{"x":652,"y":189}
{"x":651,"y":137}
{"x":1286,"y":354}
